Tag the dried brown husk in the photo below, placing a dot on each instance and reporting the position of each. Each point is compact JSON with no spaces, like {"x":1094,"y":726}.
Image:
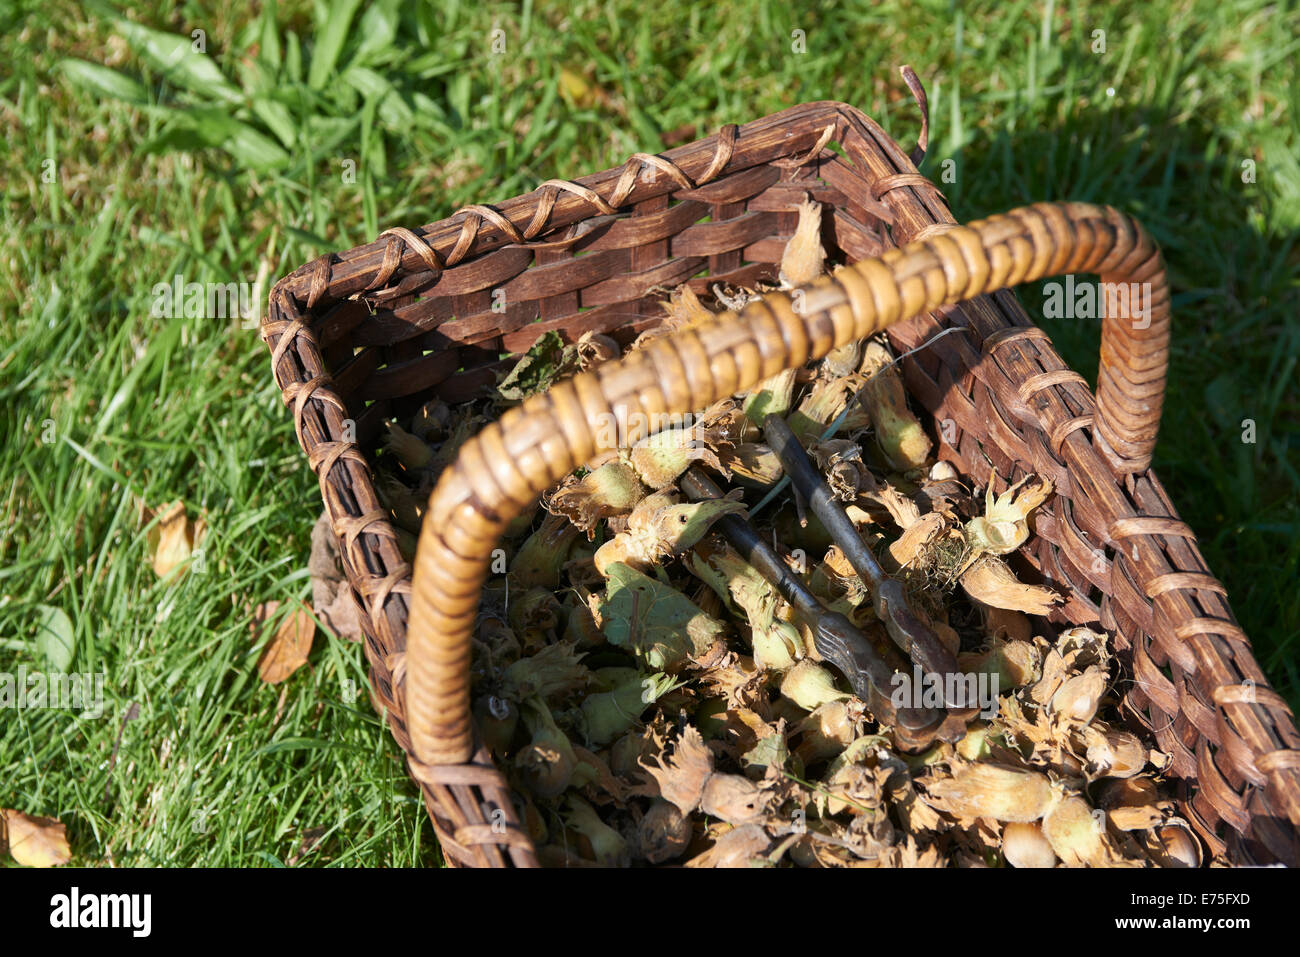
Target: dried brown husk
{"x":727,"y":420}
{"x":1004,"y":526}
{"x":685,"y":309}
{"x":613,"y":489}
{"x":660,"y":459}
{"x":916,"y":547}
{"x":803,"y":258}
{"x":1077,"y":834}
{"x":840,"y":460}
{"x":1050,"y":745}
{"x":945,"y":494}
{"x":637,"y":745}
{"x":595,"y":348}
{"x":738,"y":679}
{"x":738,"y":847}
{"x":992,"y":582}
{"x":660,"y":527}
{"x":912,"y":852}
{"x":752,"y":464}
{"x":842,"y":361}
{"x":681,"y":779}
{"x":1140,"y":818}
{"x":734,"y":799}
{"x":902,"y":509}
{"x":992,"y":790}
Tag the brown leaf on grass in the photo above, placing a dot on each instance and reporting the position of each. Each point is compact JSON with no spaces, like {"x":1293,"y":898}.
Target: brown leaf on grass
{"x":35,"y":841}
{"x":289,"y":648}
{"x":308,"y":840}
{"x":173,"y":539}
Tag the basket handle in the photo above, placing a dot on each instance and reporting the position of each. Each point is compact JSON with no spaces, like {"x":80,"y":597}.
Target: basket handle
{"x":539,"y":442}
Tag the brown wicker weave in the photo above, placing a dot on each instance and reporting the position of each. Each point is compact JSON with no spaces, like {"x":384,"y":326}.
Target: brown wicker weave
{"x":373,"y":332}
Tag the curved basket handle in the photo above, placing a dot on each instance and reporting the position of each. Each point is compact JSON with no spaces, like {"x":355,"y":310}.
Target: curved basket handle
{"x":534,"y":445}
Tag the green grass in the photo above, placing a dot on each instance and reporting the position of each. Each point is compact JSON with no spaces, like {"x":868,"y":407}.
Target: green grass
{"x":231,"y":165}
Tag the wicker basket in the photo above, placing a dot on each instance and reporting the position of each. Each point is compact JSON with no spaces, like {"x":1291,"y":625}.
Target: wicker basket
{"x":373,"y":332}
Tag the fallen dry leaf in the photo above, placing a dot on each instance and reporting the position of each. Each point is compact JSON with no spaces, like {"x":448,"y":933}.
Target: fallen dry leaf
{"x":36,"y":841}
{"x":173,"y":538}
{"x":288,"y":650}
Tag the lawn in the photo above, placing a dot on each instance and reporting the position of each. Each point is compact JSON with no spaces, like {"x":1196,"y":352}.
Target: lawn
{"x":231,"y":145}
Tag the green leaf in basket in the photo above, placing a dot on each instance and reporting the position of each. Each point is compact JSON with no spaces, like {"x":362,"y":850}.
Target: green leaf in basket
{"x":176,"y":57}
{"x":102,"y":81}
{"x":55,"y":639}
{"x":548,"y":360}
{"x":659,"y":624}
